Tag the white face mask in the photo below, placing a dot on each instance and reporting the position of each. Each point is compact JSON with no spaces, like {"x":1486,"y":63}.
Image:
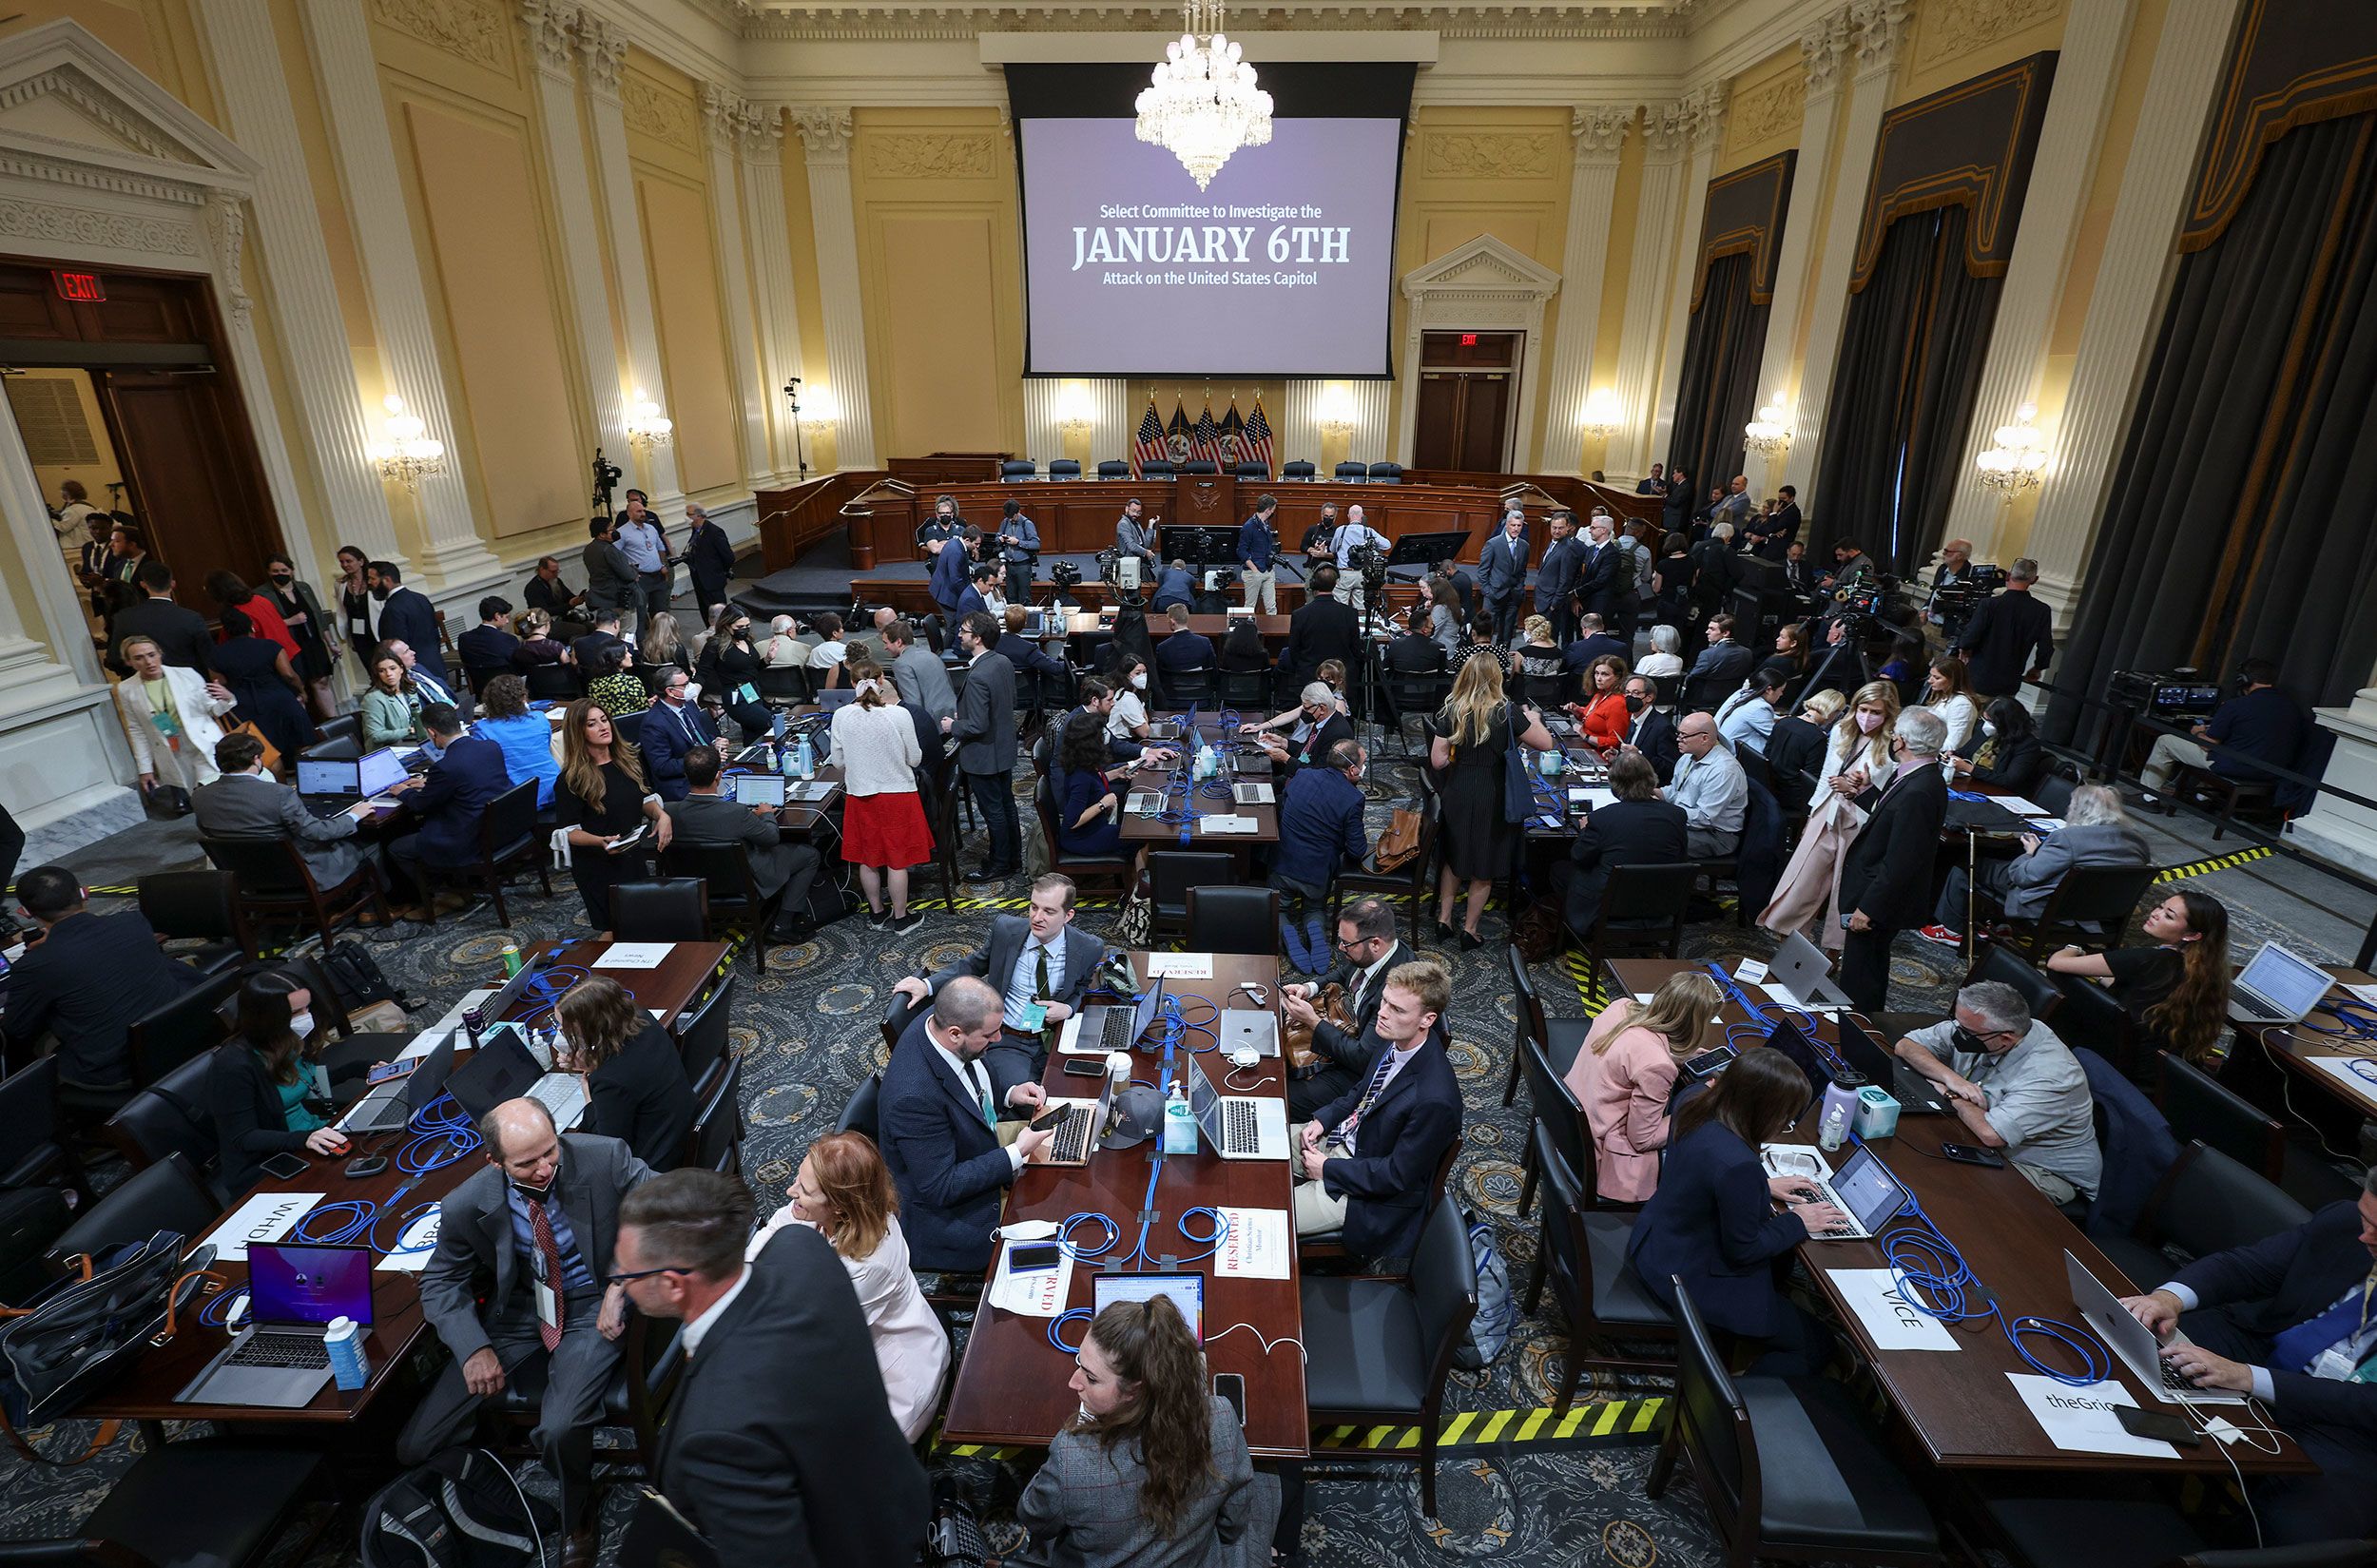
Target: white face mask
{"x":1988,"y":730}
{"x":1139,"y":683}
{"x":301,"y":1025}
{"x":1868,"y":722}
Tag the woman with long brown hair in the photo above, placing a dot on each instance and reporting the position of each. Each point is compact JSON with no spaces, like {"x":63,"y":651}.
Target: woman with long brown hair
{"x":602,"y":797}
{"x":1855,"y":768}
{"x":635,"y":1084}
{"x":844,"y":1192}
{"x":258,"y":1083}
{"x":1154,"y":1470}
{"x":1468,"y":738}
{"x":2178,"y":989}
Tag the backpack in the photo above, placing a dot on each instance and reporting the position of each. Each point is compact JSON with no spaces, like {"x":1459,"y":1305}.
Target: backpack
{"x":357,"y":978}
{"x":1497,"y":1313}
{"x":460,"y":1510}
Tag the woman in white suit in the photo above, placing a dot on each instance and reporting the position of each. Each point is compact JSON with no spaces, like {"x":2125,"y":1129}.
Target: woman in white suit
{"x":844,"y":1191}
{"x":172,"y":716}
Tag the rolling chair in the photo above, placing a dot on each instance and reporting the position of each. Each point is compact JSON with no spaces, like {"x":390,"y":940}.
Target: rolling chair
{"x":669,"y":909}
{"x":1352,"y":473}
{"x":1387,"y":473}
{"x":1252,"y":471}
{"x":1234,"y":919}
{"x":858,"y":1114}
{"x":1114,"y":468}
{"x":197,"y":906}
{"x":1063,"y":467}
{"x":1297,"y":470}
{"x":1200,"y":466}
{"x":166,"y":1197}
{"x":1582,"y":1253}
{"x":1017,"y":470}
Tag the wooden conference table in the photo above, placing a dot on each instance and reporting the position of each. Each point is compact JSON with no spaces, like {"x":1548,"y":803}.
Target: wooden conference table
{"x":1273,"y":630}
{"x":1154,"y":830}
{"x":1958,"y":1404}
{"x":2319,"y":1060}
{"x":147,"y":1393}
{"x":1011,"y":1385}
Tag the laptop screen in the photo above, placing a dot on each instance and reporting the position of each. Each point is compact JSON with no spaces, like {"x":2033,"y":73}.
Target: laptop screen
{"x":1204,"y":1102}
{"x":288,"y":1283}
{"x":1868,"y":1190}
{"x":2288,"y":983}
{"x":759,"y":789}
{"x":1186,"y":1291}
{"x":500,"y":1069}
{"x":1785,"y":1036}
{"x":1864,"y":1053}
{"x":325,"y":776}
{"x":834,"y":697}
{"x":380,"y":771}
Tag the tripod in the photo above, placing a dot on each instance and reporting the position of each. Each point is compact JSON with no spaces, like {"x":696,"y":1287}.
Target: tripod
{"x":792,"y":401}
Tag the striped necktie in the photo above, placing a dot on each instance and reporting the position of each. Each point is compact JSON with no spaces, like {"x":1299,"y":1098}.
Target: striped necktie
{"x":1369,"y":1097}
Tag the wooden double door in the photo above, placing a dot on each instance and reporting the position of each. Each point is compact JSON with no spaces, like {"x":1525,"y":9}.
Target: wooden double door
{"x":1468,"y":382}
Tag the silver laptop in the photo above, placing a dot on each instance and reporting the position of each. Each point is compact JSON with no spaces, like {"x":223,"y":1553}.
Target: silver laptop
{"x":2277,"y":987}
{"x":1111,"y":1026}
{"x":1251,"y":794}
{"x":394,"y":1104}
{"x":501,"y":1069}
{"x":1082,"y":1127}
{"x":1249,"y":1029}
{"x":1800,"y":967}
{"x":759,"y":789}
{"x":1864,"y":1190}
{"x":278,"y":1361}
{"x":1144,"y":803}
{"x":1238,"y":1126}
{"x":2135,"y":1342}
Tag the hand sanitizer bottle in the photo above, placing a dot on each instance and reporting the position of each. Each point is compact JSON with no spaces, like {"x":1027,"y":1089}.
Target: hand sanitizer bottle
{"x":1180,"y":1126}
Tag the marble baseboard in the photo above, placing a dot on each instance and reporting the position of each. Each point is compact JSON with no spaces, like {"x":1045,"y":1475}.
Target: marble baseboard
{"x":80,"y":819}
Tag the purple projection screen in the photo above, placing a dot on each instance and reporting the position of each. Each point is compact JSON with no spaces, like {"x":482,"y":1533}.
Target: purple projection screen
{"x":1280,"y":267}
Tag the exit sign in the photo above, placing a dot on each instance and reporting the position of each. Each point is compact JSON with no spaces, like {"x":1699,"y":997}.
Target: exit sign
{"x":1468,"y":340}
{"x":84,"y":287}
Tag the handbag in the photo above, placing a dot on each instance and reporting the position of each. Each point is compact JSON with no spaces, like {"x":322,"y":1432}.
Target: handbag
{"x":164,"y":801}
{"x":1400,"y":843}
{"x":1518,"y":775}
{"x":1136,"y":921}
{"x":57,"y":1353}
{"x":247,"y":727}
{"x":1296,"y":1037}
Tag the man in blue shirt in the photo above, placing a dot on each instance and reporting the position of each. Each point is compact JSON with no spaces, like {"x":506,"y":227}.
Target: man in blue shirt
{"x":1258,"y":543}
{"x":2260,"y":725}
{"x":1183,"y":648}
{"x":1019,"y":547}
{"x":647,"y":547}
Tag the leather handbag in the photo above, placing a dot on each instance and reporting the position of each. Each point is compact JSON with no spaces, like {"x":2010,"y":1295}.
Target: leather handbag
{"x":1400,"y":843}
{"x":239,"y":725}
{"x":1296,"y":1036}
{"x":57,"y":1353}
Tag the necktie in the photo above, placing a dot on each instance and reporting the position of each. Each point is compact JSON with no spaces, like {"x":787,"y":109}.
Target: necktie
{"x":541,"y":1228}
{"x":982,"y":1087}
{"x":1039,"y":980}
{"x":1377,"y":1082}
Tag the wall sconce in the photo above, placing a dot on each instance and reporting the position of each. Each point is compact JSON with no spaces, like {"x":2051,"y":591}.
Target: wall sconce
{"x":1336,"y":411}
{"x":1768,"y":434}
{"x":646,"y":426}
{"x":823,"y":411}
{"x":1073,"y":413}
{"x":406,"y":454}
{"x":1601,"y":414}
{"x":2018,"y":461}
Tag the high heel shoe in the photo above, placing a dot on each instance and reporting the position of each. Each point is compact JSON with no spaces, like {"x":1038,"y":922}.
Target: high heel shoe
{"x":1444,"y":931}
{"x":1471,"y":941}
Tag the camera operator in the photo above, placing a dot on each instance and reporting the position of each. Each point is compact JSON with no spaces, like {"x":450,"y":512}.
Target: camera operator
{"x":1315,"y":546}
{"x":2008,"y":635}
{"x":1351,"y":544}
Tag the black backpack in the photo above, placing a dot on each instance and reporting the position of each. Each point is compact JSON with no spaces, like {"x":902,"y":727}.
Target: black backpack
{"x":356,"y":977}
{"x":460,"y":1510}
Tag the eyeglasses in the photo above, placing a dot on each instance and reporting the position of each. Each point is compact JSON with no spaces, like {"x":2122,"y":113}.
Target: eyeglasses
{"x":631,"y":1277}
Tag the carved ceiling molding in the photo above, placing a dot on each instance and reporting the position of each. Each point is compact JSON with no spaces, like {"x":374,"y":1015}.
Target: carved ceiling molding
{"x":1623,"y":20}
{"x":933,"y":155}
{"x":1949,"y":30}
{"x":659,"y":111}
{"x":1488,"y":155}
{"x":1600,"y":130}
{"x":1767,"y":111}
{"x":472,"y":30}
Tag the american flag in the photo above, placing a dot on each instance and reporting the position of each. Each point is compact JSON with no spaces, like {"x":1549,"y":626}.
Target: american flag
{"x":1147,"y":445}
{"x":1255,"y":445}
{"x":1205,"y":441}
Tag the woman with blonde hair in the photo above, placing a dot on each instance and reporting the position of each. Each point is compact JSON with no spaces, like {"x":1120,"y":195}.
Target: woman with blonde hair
{"x":1850,"y":775}
{"x":603,"y":797}
{"x":844,"y":1192}
{"x":883,"y":830}
{"x":1625,"y":1074}
{"x":663,"y":643}
{"x":1468,"y":737}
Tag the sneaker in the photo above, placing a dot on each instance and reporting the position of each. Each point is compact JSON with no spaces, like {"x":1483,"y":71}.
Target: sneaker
{"x":878,"y":918}
{"x":909,"y":927}
{"x":1941,"y":935}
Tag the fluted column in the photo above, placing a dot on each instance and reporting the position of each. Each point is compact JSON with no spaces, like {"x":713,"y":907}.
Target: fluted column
{"x":1600,"y":131}
{"x":1665,"y":134}
{"x":553,"y":46}
{"x":1704,"y":114}
{"x":1306,"y":404}
{"x":723,"y":115}
{"x":771,"y":266}
{"x":341,"y":39}
{"x":2123,"y":308}
{"x":602,"y":51}
{"x":825,"y":138}
{"x":1881,"y":27}
{"x":313,"y":332}
{"x":1822,"y":47}
{"x":1104,"y":401}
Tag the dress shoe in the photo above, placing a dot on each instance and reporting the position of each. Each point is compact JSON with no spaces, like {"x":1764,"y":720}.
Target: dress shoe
{"x":985,"y":875}
{"x":581,"y":1548}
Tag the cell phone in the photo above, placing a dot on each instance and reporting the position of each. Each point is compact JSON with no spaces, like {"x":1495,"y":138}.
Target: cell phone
{"x":1031,"y":1257}
{"x":2154,"y":1424}
{"x":1971,"y":1154}
{"x":1709,"y":1061}
{"x":1232,"y":1388}
{"x":366,"y":1164}
{"x":1049,"y":1119}
{"x":287,"y":1167}
{"x":382,"y":1071}
{"x":1085,"y":1067}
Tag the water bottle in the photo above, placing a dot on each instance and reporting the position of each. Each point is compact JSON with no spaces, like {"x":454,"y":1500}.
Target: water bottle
{"x":1835,"y":1126}
{"x":803,"y":759}
{"x":783,"y":757}
{"x":343,"y":1343}
{"x":1180,"y":1128}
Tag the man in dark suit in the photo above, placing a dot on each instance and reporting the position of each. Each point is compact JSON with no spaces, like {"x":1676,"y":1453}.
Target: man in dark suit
{"x":1678,"y":506}
{"x":673,"y":727}
{"x":1638,"y":828}
{"x":1174,"y":584}
{"x":545,"y":590}
{"x":1367,"y":952}
{"x":954,"y":567}
{"x":611,"y":580}
{"x":2009,"y":636}
{"x":1721,"y":668}
{"x":779,"y":1444}
{"x":1797,"y":575}
{"x":1366,"y":1161}
{"x":2284,"y":1319}
{"x":1040,"y":959}
{"x":1324,"y":727}
{"x":180,"y":634}
{"x":1183,"y":648}
{"x":1323,"y":628}
{"x":583,"y":650}
{"x":706,"y":816}
{"x":939,"y":1120}
{"x":1502,"y":573}
{"x":1773,"y":533}
{"x":1886,"y":878}
{"x":1594,"y":641}
{"x":247,"y":803}
{"x":533,"y":1229}
{"x":981,"y":582}
{"x":1556,"y":579}
{"x":449,"y":800}
{"x":1319,"y":830}
{"x":710,"y":560}
{"x":1606,"y":580}
{"x":487,"y":647}
{"x":1028,"y":657}
{"x":86,"y":980}
{"x":984,"y":729}
{"x":408,"y":617}
{"x":1649,"y":732}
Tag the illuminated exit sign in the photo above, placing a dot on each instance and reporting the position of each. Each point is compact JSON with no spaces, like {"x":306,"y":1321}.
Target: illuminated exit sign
{"x":1468,"y":340}
{"x":84,"y":287}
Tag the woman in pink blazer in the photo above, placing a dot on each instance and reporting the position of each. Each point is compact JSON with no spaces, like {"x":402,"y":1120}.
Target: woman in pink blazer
{"x":1625,"y":1072}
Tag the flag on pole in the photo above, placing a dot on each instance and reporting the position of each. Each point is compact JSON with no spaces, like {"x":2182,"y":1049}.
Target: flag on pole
{"x":1147,"y":445}
{"x":1205,"y":441}
{"x":1178,"y":434}
{"x":1232,"y":439}
{"x":1256,"y":444}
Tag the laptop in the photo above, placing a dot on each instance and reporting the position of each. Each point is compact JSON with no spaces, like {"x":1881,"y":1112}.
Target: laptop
{"x":2135,"y":1342}
{"x":278,"y":1361}
{"x":1144,"y":803}
{"x":1238,"y":1126}
{"x":1251,"y":794}
{"x":1186,"y":1291}
{"x":394,"y":1104}
{"x":836,"y":696}
{"x":1083,"y":1128}
{"x":1876,"y":1063}
{"x":760,"y":790}
{"x":501,"y":1069}
{"x":2277,"y":987}
{"x":1094,"y":1031}
{"x":1864,"y":1190}
{"x":1784,"y":1035}
{"x":332,"y":780}
{"x":1800,"y":968}
{"x":1249,"y":1029}
{"x":378,"y":772}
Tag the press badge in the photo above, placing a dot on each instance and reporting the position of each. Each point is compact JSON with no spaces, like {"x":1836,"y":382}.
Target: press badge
{"x":547,"y":1305}
{"x":2337,"y":1366}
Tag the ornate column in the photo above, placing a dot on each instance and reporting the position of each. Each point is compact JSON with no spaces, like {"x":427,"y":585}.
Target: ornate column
{"x":341,"y":39}
{"x":771,"y":266}
{"x":553,"y":43}
{"x":1600,"y":131}
{"x":246,"y":62}
{"x":825,"y":138}
{"x":2123,"y":309}
{"x":722,"y":117}
{"x":602,"y":50}
{"x":2095,"y":37}
{"x":1881,"y":27}
{"x":1704,"y":113}
{"x":1665,"y":131}
{"x":1823,"y":47}
{"x":1103,"y":401}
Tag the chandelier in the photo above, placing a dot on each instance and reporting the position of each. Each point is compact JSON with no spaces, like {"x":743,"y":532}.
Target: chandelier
{"x":1202,"y":103}
{"x":647,"y":427}
{"x":1768,"y":434}
{"x":407,"y":453}
{"x":2019,"y":461}
{"x":1601,"y":414}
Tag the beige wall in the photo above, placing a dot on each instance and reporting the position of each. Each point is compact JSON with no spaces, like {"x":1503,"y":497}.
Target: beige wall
{"x":75,"y":402}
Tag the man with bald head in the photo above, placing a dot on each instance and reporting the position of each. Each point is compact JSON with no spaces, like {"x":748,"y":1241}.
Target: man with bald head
{"x":535,"y":1230}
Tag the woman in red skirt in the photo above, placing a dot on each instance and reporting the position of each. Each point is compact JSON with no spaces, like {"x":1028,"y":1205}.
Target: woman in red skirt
{"x":883,"y":831}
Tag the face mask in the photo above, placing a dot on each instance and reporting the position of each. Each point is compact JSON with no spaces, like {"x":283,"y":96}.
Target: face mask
{"x":1138,"y":682}
{"x":1635,"y":704}
{"x":1868,"y":722}
{"x":1966,"y":1040}
{"x":284,"y":578}
{"x":302,"y":1024}
{"x":1988,"y":730}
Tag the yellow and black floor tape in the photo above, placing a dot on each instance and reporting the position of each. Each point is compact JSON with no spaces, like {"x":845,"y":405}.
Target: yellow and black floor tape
{"x":2216,"y":863}
{"x":1612,"y":1422}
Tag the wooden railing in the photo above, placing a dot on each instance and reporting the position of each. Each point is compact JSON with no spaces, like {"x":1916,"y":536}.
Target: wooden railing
{"x":791,"y":520}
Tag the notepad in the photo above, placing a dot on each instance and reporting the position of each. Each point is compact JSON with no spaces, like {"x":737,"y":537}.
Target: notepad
{"x":634,"y":956}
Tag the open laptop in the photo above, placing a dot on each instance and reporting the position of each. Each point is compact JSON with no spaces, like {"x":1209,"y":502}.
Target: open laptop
{"x":760,"y":790}
{"x":2135,"y":1342}
{"x":501,"y":1069}
{"x":392,"y":1104}
{"x":1251,"y":794}
{"x":1800,"y":968}
{"x":2277,"y":986}
{"x":1864,"y":1190}
{"x":1238,"y":1126}
{"x":1784,"y":1035}
{"x":1111,"y":1026}
{"x":1186,"y":1291}
{"x":378,"y":772}
{"x":331,"y":781}
{"x":836,"y":696}
{"x":1083,"y":1128}
{"x":1878,"y":1063}
{"x":278,"y":1361}
{"x":1144,"y":803}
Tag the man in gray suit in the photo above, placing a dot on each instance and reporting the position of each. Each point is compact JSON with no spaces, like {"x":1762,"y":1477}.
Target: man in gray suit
{"x":536,"y":1228}
{"x":984,"y":729}
{"x":918,"y":671}
{"x":706,"y":816}
{"x":2094,"y":832}
{"x":248,"y":802}
{"x":1502,"y":572}
{"x":1040,"y":959}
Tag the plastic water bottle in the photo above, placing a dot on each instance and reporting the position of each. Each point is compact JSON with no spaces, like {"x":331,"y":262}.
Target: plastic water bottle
{"x":783,"y":757}
{"x":803,"y":759}
{"x":1180,"y":1126}
{"x":343,"y":1343}
{"x":1835,"y":1126}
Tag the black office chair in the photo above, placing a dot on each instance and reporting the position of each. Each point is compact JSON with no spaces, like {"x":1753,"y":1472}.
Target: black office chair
{"x":628,"y":726}
{"x":344,"y":748}
{"x":1996,"y":962}
{"x":1017,"y":470}
{"x":1111,"y":871}
{"x":1157,"y":471}
{"x":1299,"y":469}
{"x":2199,"y":1106}
{"x":1643,"y":908}
{"x":31,"y":1152}
{"x":1184,"y":687}
{"x":1385,"y":473}
{"x":1850,"y":1502}
{"x":1066,"y":468}
{"x":1413,"y":882}
{"x":1252,"y":471}
{"x":859,"y":1113}
{"x":701,"y":1042}
{"x":554,"y":683}
{"x":2109,"y":1527}
{"x":651,"y":1357}
{"x":1200,"y":466}
{"x":1582,"y":1251}
{"x":2092,"y":903}
{"x":2089,"y":1018}
{"x":716,"y":1140}
{"x":1114,"y":468}
{"x":168,"y":1117}
{"x":196,"y":906}
{"x":1558,"y":1117}
{"x":1234,"y":919}
{"x":199,"y":1502}
{"x":1382,"y":1349}
{"x":184,"y":1029}
{"x":733,"y":901}
{"x":509,"y":843}
{"x":276,"y":885}
{"x":339,"y":726}
{"x":167,"y":1195}
{"x":1173,"y":873}
{"x":1560,"y":1038}
{"x":1246,"y":689}
{"x":898,"y":1014}
{"x":1414,"y":694}
{"x":2205,"y":1202}
{"x":667,"y":909}
{"x":784,"y":685}
{"x":1352,"y":473}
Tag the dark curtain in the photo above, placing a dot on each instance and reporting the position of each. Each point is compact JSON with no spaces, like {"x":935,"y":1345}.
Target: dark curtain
{"x":2239,"y":522}
{"x":1717,"y":392}
{"x":1912,"y":347}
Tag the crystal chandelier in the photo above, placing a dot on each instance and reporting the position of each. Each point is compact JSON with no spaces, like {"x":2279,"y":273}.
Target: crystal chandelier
{"x":1768,"y":434}
{"x":2019,"y":461}
{"x":407,"y":453}
{"x":647,"y":427}
{"x":1203,"y":103}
